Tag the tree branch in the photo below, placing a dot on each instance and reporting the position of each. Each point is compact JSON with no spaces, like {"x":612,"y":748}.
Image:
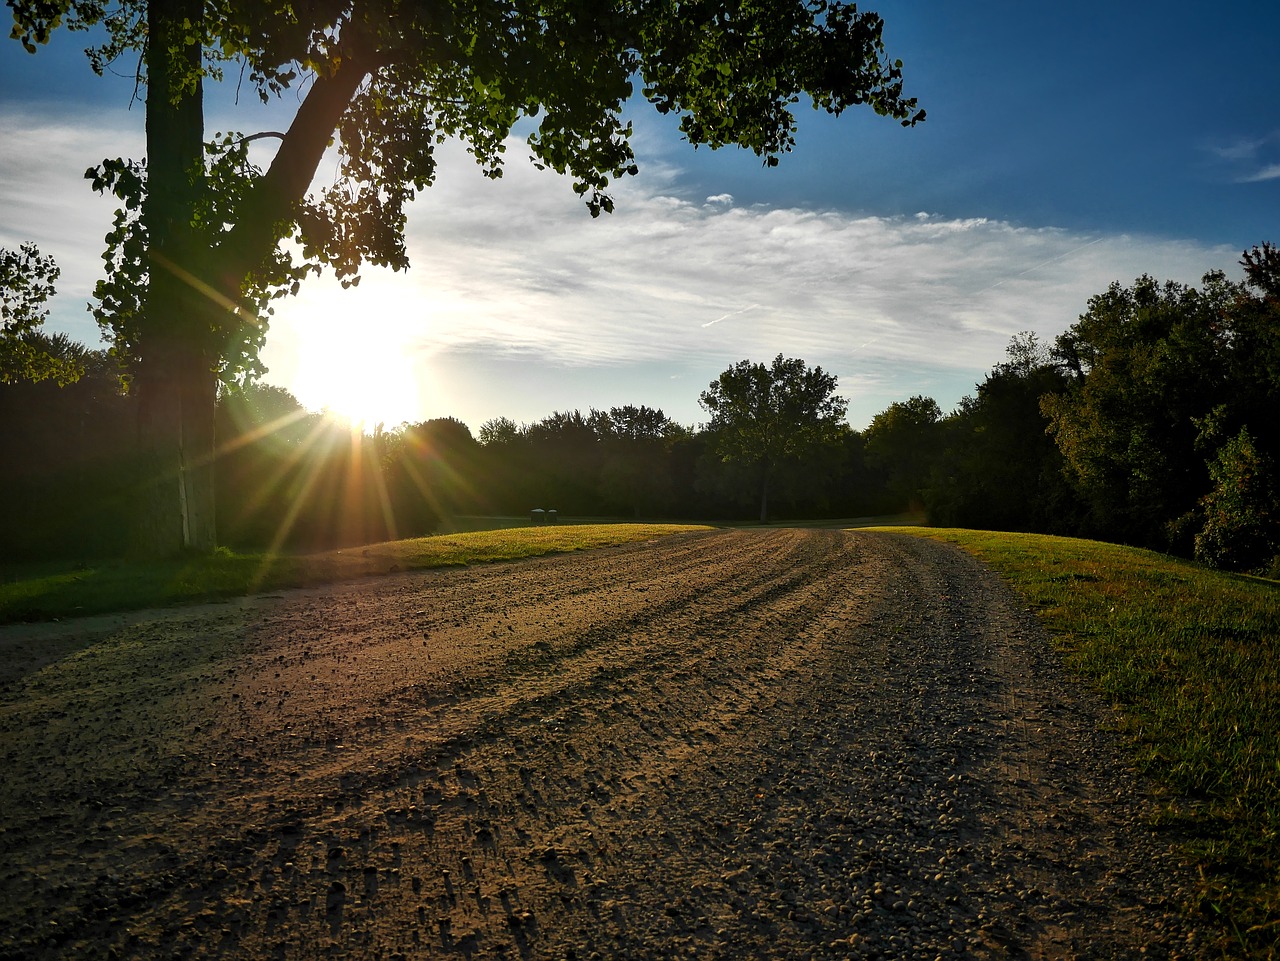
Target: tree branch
{"x":261,"y":135}
{"x":285,"y":183}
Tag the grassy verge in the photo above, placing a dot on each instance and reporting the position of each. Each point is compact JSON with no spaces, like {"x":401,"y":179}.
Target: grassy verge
{"x":46,"y":592}
{"x":1192,"y":656}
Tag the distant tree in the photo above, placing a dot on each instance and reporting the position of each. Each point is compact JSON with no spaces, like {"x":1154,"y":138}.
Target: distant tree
{"x":196,"y":251}
{"x":859,"y":484}
{"x":433,"y":463}
{"x":262,"y":411}
{"x":503,"y":476}
{"x":26,"y":353}
{"x":905,"y":440}
{"x":565,"y":454}
{"x":765,"y":418}
{"x":636,"y":470}
{"x":499,"y":430}
{"x":289,"y":478}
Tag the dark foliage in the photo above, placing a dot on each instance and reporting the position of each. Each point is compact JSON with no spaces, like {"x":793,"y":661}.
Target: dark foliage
{"x":1000,"y":469}
{"x":1152,"y":421}
{"x":287,"y":479}
{"x":67,"y":486}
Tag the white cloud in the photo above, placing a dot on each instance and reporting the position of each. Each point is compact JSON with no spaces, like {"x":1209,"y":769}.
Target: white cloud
{"x":1269,"y":172}
{"x":650,"y":302}
{"x":45,"y":199}
{"x":1252,"y":159}
{"x":518,"y":265}
{"x":895,"y":306}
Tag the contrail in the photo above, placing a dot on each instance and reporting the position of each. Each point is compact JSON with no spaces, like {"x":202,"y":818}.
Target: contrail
{"x":1051,"y":260}
{"x":732,"y":313}
{"x":864,"y":346}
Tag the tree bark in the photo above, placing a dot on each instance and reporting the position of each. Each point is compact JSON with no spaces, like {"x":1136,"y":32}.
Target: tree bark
{"x":191,"y":287}
{"x":176,"y":376}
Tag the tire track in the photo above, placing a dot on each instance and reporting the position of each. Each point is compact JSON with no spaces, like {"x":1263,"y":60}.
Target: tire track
{"x":733,"y":744}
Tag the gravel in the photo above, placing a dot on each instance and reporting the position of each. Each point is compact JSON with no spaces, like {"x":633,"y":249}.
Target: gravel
{"x":734,"y":744}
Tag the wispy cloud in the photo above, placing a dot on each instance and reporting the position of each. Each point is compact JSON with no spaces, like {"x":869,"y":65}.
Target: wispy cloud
{"x":519,"y":264}
{"x":1269,"y":172}
{"x":1250,"y":160}
{"x":515,"y":272}
{"x":893,"y":305}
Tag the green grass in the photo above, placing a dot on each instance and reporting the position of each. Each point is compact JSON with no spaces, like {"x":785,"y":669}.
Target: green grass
{"x":45,"y":592}
{"x":1192,"y":658}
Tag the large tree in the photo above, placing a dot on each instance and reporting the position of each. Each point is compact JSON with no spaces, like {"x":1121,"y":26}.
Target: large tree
{"x":197,"y":251}
{"x":766,"y":417}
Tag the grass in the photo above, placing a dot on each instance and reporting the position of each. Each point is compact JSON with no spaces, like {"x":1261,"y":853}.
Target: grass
{"x":1192,"y":657}
{"x":47,"y":592}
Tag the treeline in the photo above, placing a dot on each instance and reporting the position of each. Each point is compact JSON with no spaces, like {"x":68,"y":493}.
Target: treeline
{"x":1152,"y":421}
{"x":287,"y":478}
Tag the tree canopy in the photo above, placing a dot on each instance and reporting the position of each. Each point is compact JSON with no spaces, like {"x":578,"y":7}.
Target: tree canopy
{"x":196,"y":253}
{"x":764,"y":417}
{"x":1145,"y":361}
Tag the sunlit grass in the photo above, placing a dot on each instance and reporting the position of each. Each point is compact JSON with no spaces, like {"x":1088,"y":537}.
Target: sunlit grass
{"x":1192,"y":657}
{"x":43,"y":592}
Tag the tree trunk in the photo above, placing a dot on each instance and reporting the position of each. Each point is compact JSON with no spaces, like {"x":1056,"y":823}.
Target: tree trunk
{"x":176,"y":393}
{"x":192,"y":285}
{"x":176,"y":379}
{"x":764,"y":494}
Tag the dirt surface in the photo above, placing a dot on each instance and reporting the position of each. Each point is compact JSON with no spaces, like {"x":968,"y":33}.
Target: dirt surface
{"x":731,"y":744}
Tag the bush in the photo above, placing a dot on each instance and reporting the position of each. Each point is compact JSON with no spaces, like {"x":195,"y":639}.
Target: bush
{"x":1241,"y":517}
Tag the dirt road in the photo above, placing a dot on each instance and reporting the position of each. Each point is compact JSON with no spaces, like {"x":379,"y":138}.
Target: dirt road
{"x":733,"y":744}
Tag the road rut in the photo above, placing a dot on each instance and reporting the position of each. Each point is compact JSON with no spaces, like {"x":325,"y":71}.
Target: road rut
{"x":726,"y":745}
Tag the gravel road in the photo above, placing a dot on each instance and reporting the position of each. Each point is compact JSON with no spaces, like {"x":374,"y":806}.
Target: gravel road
{"x":722,"y":745}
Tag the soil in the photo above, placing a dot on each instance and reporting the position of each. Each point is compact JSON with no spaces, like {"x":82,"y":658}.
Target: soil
{"x":727,"y":744}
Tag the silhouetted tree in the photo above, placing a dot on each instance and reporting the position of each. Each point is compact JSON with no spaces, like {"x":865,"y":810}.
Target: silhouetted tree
{"x":764,"y":419}
{"x":67,"y":484}
{"x":564,"y":460}
{"x":1001,"y":470}
{"x":636,"y":473}
{"x":196,"y":255}
{"x":432,"y":471}
{"x":905,"y":441}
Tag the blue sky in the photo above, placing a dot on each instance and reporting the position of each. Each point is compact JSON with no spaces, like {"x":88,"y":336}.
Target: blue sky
{"x":1066,"y":146}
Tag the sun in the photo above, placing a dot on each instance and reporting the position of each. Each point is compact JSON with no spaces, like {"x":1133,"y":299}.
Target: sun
{"x":362,"y":376}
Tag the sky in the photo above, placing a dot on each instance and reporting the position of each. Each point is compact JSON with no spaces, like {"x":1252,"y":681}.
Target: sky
{"x":1067,"y":146}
